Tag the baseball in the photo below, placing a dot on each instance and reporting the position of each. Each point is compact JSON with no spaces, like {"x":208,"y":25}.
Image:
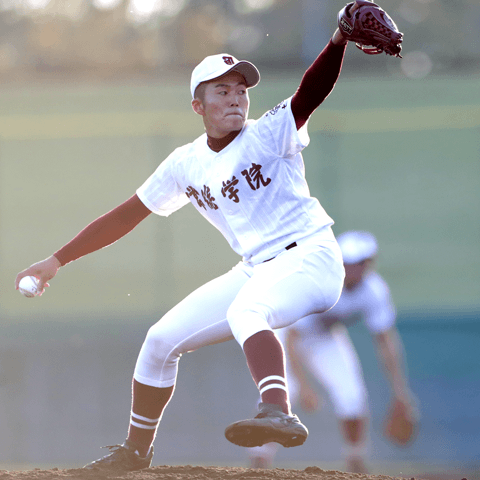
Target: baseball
{"x":28,"y":286}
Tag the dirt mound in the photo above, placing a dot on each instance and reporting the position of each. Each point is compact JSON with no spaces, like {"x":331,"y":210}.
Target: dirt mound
{"x":188,"y":472}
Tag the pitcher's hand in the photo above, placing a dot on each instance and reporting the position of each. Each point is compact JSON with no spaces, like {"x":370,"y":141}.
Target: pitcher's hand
{"x":44,"y":271}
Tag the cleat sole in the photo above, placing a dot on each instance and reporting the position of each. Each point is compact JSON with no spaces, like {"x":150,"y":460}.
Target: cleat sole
{"x":256,"y":436}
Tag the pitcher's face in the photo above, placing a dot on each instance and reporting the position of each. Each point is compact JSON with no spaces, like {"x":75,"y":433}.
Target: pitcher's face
{"x":225,"y":105}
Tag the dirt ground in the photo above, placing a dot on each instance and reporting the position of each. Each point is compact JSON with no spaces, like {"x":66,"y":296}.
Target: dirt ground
{"x":188,"y":472}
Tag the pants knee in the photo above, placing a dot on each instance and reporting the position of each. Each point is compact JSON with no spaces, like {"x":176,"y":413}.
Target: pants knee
{"x":247,"y":323}
{"x":157,"y":361}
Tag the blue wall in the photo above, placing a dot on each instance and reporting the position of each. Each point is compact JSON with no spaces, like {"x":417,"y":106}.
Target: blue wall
{"x":65,"y":392}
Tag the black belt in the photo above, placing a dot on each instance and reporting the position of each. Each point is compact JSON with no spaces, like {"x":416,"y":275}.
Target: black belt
{"x":288,"y":247}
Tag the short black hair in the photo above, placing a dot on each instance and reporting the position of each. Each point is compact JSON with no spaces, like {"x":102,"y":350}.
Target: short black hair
{"x":200,"y":91}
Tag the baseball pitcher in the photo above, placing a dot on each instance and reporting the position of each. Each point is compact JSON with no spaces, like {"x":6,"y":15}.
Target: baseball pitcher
{"x":246,"y":177}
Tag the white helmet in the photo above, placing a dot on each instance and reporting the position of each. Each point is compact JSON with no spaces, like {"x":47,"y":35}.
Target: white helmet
{"x":357,"y":246}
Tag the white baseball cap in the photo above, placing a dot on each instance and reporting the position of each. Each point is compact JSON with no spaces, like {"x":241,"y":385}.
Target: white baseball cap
{"x":357,"y":246}
{"x":215,"y":66}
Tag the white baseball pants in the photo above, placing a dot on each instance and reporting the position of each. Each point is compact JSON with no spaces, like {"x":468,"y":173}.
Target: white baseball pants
{"x":298,"y":282}
{"x":332,"y":360}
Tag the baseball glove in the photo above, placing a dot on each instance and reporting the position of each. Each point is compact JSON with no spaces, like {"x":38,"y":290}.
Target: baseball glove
{"x":371,"y":28}
{"x":401,"y":424}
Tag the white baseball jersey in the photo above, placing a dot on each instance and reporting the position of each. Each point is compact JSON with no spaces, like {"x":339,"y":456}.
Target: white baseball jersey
{"x":370,"y":300}
{"x":254,"y":190}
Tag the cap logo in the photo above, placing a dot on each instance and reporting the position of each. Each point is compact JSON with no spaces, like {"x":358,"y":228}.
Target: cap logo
{"x":228,"y":60}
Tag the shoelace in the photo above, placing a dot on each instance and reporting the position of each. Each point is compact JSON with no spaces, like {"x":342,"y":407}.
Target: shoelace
{"x":118,"y":447}
{"x":284,"y":418}
{"x":111,"y":447}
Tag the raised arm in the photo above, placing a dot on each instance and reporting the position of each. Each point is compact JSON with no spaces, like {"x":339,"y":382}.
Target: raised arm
{"x":319,"y":79}
{"x":102,"y":232}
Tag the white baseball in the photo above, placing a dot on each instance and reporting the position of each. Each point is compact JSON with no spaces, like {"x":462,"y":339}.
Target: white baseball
{"x":28,"y":286}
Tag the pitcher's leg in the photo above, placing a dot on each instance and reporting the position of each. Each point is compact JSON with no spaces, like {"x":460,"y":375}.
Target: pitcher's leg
{"x":199,"y":320}
{"x":266,"y":362}
{"x":301,"y":281}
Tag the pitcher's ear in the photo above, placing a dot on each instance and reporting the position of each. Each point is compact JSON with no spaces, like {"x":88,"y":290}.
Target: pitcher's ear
{"x":197,"y":106}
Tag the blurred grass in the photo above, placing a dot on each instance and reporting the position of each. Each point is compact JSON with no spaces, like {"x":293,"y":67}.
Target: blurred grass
{"x":355,"y":106}
{"x":395,"y":156}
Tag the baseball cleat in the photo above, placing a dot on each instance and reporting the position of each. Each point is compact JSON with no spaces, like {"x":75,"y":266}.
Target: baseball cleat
{"x":123,"y":458}
{"x":270,"y":425}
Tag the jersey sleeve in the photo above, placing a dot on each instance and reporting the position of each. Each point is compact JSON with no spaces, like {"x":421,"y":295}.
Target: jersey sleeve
{"x":161,"y":192}
{"x":379,"y":313}
{"x":278,"y":131}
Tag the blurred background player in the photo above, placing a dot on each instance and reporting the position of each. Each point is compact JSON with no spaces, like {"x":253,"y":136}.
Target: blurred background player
{"x":319,"y":346}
